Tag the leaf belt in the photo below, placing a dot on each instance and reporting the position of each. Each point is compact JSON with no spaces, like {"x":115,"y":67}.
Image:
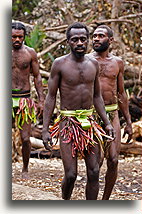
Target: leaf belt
{"x":82,"y":137}
{"x":19,"y":94}
{"x":81,"y":115}
{"x":109,"y":108}
{"x":81,"y":112}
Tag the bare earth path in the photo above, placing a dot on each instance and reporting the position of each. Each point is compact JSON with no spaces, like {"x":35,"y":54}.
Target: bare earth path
{"x":46,"y":176}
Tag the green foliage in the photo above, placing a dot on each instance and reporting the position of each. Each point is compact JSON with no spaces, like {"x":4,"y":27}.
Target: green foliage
{"x":51,"y":56}
{"x":44,"y":81}
{"x":35,"y":38}
{"x":22,"y":8}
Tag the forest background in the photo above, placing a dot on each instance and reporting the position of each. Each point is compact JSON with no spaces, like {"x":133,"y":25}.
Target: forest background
{"x":46,"y":22}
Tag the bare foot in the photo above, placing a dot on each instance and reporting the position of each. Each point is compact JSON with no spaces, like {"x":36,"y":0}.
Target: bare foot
{"x":25,"y":176}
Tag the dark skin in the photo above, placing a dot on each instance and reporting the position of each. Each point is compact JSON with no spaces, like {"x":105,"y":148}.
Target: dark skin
{"x":112,"y":88}
{"x":76,"y":77}
{"x":24,"y":62}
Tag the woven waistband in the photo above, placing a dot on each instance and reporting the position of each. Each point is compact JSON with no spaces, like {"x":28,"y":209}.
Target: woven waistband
{"x":109,"y":108}
{"x":86,"y":112}
{"x":112,"y":107}
{"x":72,"y":113}
{"x":20,"y":94}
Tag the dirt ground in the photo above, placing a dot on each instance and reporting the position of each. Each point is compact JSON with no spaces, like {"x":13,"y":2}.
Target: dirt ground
{"x":46,"y":176}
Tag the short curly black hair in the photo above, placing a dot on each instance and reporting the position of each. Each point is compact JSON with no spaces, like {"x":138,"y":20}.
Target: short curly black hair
{"x":19,"y":26}
{"x":76,"y":25}
{"x":109,"y":30}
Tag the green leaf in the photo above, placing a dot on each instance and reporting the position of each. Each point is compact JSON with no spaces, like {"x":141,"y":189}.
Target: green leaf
{"x":50,"y":56}
{"x":35,"y":38}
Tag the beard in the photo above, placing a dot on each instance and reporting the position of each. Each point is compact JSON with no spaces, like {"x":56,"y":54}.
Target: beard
{"x":17,"y":46}
{"x":78,"y":54}
{"x":103,"y":47}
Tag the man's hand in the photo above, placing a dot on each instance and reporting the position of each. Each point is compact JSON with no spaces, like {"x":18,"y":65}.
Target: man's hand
{"x":46,"y":139}
{"x":128,"y":130}
{"x":110,"y":131}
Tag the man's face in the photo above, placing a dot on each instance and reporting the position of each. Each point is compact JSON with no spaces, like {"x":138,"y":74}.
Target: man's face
{"x":78,"y":41}
{"x":17,"y":38}
{"x":101,"y":41}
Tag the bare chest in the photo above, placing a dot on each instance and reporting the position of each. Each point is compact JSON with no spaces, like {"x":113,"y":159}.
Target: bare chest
{"x":79,"y":74}
{"x":108,"y":69}
{"x":21,"y":60}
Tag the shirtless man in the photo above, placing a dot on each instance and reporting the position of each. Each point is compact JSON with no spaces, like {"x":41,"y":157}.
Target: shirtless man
{"x":76,"y":77}
{"x":114,"y":96}
{"x":24,"y":62}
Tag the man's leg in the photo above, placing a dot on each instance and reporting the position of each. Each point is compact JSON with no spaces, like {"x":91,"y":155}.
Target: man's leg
{"x":26,"y":148}
{"x":112,"y":161}
{"x":70,"y":170}
{"x":70,"y":167}
{"x":92,"y":164}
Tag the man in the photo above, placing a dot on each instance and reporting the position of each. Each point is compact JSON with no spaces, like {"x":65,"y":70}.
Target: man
{"x":24,"y":62}
{"x":76,"y":77}
{"x":114,"y":96}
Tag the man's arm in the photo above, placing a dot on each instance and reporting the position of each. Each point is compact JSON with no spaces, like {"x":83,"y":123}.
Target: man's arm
{"x":37,"y":76}
{"x":99,"y":105}
{"x":37,"y":80}
{"x":50,"y":102}
{"x":123,"y":101}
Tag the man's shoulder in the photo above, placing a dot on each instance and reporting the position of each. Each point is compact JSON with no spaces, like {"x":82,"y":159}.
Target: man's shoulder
{"x":117,"y":58}
{"x":30,"y":49}
{"x":90,"y":57}
{"x":61,"y":59}
{"x":59,"y":62}
{"x":119,"y":62}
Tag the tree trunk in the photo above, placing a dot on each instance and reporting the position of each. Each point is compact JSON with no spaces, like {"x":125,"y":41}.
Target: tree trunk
{"x":116,"y":5}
